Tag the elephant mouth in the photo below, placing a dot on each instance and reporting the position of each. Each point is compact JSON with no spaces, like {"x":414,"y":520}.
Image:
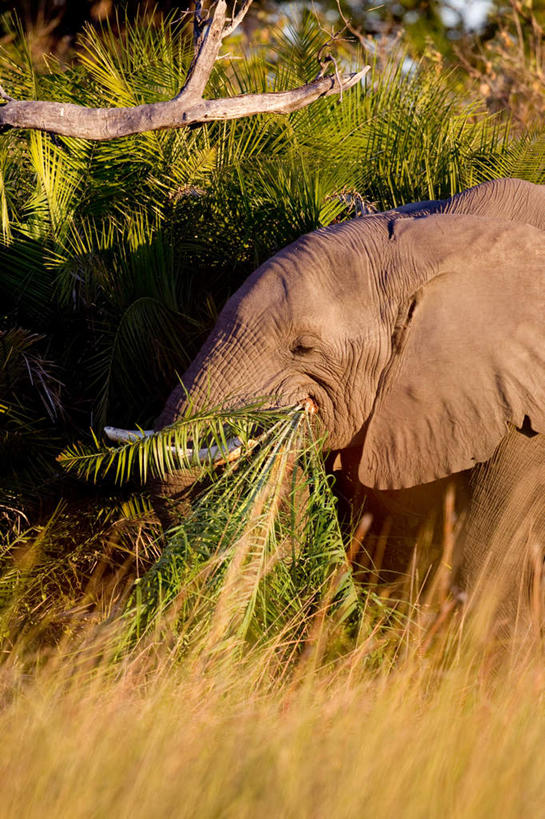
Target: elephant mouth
{"x":317,"y":403}
{"x":309,"y":405}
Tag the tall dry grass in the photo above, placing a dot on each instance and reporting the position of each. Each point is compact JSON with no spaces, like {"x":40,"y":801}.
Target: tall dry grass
{"x":423,"y":739}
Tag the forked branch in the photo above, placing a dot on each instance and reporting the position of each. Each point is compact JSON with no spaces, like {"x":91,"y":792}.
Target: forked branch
{"x":187,"y":108}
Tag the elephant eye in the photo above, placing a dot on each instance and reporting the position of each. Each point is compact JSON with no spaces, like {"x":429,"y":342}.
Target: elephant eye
{"x":303,"y":346}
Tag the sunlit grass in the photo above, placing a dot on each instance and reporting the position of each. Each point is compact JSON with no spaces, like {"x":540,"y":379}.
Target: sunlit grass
{"x":190,"y":739}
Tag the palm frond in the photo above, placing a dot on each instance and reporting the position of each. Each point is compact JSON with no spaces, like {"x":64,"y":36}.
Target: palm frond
{"x":254,"y":561}
{"x":165,"y":451}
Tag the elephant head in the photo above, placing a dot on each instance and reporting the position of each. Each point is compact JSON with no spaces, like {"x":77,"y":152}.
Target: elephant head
{"x":418,"y":334}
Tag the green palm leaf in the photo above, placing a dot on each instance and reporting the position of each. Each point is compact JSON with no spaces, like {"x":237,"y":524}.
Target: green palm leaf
{"x":165,"y":451}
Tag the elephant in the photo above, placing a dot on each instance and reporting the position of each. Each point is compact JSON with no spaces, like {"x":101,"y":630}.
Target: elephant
{"x":419,"y":336}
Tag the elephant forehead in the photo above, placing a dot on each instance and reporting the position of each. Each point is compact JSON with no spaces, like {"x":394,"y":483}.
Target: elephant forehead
{"x":317,"y":280}
{"x":298,"y":301}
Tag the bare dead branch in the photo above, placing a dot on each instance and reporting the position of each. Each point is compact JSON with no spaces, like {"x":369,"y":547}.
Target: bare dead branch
{"x":100,"y":124}
{"x":354,"y":31}
{"x":207,"y":46}
{"x":187,"y":108}
{"x":237,"y":18}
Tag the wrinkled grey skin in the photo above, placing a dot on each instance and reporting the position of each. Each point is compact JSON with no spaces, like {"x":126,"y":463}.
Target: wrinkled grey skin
{"x":418,"y":333}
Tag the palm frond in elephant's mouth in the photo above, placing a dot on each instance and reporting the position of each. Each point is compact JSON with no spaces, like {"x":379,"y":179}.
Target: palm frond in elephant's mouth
{"x":208,"y":439}
{"x":235,"y":447}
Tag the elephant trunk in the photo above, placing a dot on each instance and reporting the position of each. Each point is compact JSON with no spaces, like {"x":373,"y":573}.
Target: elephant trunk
{"x":205,"y":384}
{"x":226,"y":373}
{"x":214,"y":379}
{"x":201,"y":386}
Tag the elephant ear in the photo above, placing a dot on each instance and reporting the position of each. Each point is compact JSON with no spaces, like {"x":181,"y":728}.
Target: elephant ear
{"x":469,"y":359}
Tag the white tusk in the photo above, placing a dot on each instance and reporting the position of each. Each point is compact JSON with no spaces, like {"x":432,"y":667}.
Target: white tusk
{"x":214,"y":454}
{"x":124,"y":436}
{"x":219,"y":455}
